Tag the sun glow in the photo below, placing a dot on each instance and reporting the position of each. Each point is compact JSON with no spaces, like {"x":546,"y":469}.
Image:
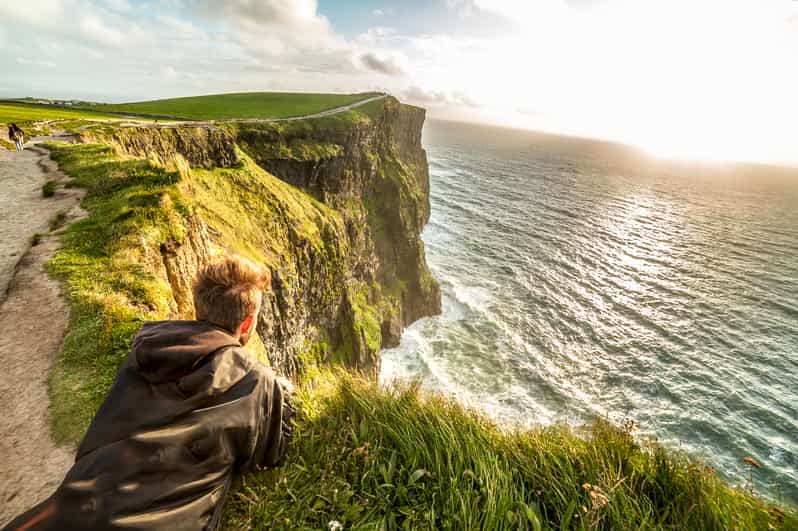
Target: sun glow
{"x":708,"y":80}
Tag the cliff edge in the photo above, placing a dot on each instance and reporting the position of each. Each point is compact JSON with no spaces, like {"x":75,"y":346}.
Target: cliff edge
{"x":334,"y":206}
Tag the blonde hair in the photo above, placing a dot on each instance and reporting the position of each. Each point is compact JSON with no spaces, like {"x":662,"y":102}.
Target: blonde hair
{"x":228,"y":290}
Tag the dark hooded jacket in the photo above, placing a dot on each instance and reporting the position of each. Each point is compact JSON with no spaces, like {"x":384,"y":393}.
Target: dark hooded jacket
{"x":188,"y":408}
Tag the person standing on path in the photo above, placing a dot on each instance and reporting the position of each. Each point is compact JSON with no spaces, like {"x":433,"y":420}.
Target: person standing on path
{"x":17,"y":136}
{"x":189,"y":408}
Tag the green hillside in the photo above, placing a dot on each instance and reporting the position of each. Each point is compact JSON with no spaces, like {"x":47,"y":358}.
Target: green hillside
{"x":242,"y":105}
{"x":21,"y":113}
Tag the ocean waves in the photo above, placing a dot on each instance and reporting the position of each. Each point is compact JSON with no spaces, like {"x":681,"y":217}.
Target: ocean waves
{"x":578,"y":284}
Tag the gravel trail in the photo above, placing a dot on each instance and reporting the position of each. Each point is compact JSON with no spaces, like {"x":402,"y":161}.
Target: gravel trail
{"x":33,"y":321}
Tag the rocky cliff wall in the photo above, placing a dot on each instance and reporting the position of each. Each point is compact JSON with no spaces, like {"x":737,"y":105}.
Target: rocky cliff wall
{"x":203,"y":147}
{"x":375,"y":172}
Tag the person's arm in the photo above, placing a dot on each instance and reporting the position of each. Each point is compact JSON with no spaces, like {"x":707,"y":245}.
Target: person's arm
{"x":274,"y":430}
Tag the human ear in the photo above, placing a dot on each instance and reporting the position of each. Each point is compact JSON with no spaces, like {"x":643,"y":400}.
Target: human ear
{"x":246,"y":326}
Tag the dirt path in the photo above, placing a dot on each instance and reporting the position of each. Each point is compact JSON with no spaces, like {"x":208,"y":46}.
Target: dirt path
{"x":33,"y":321}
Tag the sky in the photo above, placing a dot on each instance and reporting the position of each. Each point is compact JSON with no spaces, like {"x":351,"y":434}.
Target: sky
{"x":697,"y":79}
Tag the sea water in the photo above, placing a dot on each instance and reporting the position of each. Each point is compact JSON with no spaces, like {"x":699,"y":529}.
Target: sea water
{"x":582,"y":278}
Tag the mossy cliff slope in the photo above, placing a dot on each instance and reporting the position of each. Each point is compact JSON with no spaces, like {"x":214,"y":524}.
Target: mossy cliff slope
{"x":375,"y":172}
{"x":340,"y":294}
{"x":342,"y":241}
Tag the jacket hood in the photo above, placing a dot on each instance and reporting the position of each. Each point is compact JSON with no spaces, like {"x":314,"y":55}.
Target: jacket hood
{"x":164,"y":351}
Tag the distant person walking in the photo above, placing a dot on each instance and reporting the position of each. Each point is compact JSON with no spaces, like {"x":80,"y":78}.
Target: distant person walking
{"x":17,"y":136}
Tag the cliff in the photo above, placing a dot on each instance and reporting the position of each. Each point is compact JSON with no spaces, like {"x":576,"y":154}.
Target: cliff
{"x":333,"y":206}
{"x":342,"y":291}
{"x":375,"y":174}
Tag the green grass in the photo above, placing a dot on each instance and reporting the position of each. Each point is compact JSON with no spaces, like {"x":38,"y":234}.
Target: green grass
{"x":109,"y":265}
{"x":376,"y":458}
{"x":243,"y":105}
{"x":23,"y":113}
{"x":48,"y":188}
{"x":112,"y":268}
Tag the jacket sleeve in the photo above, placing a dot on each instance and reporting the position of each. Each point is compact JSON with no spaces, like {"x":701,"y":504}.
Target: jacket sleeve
{"x":274,"y":426}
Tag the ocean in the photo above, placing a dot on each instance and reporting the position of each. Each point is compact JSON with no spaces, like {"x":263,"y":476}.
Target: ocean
{"x":583,"y":278}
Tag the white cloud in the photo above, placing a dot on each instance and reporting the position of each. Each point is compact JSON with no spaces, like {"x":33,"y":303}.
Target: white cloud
{"x":418,"y":95}
{"x":283,"y":23}
{"x":33,"y":12}
{"x":168,"y":73}
{"x":392,"y":65}
{"x":95,"y":29}
{"x":35,"y":62}
{"x":377,"y":36}
{"x":122,"y":6}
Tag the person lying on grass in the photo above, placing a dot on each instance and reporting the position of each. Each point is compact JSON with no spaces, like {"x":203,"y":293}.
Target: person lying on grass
{"x":189,"y":407}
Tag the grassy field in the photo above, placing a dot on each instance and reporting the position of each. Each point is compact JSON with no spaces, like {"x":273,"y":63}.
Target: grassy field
{"x":243,"y":105}
{"x":23,"y":113}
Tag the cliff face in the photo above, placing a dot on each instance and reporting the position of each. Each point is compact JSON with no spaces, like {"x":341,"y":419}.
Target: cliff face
{"x":334,"y":206}
{"x":375,"y":172}
{"x":203,"y":147}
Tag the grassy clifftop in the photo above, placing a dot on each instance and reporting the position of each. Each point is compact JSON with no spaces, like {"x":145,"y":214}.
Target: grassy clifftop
{"x":114,"y":263}
{"x":23,"y":113}
{"x":154,"y":218}
{"x":241,"y":105}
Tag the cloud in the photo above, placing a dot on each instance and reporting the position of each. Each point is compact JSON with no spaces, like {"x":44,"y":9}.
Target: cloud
{"x":93,"y":28}
{"x":392,"y":65}
{"x":36,"y":13}
{"x":515,"y":11}
{"x":35,"y":62}
{"x":421,"y":96}
{"x":376,"y":36}
{"x":282,"y":23}
{"x":168,"y":73}
{"x":383,"y":12}
{"x":119,"y":5}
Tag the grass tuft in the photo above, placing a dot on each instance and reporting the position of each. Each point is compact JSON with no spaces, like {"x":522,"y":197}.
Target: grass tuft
{"x":57,"y":221}
{"x":48,"y":188}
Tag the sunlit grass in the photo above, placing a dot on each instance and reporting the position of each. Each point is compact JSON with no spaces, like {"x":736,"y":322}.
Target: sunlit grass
{"x":22,"y":113}
{"x":376,"y":458}
{"x":242,"y":105}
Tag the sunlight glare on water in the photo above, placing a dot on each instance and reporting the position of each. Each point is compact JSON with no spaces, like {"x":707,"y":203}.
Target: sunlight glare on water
{"x":580,"y":278}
